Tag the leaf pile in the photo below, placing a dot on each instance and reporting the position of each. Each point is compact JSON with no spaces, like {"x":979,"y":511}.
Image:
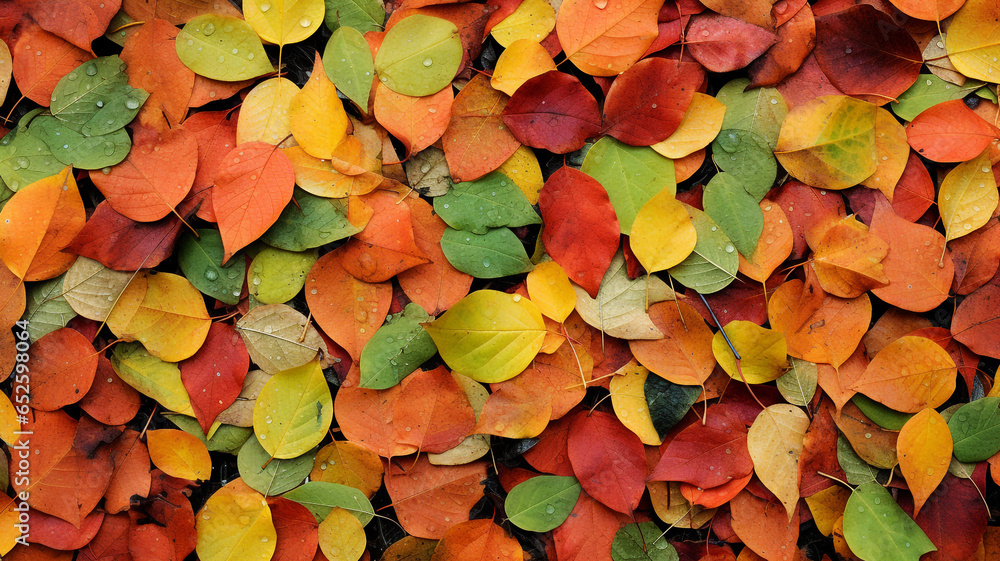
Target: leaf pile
{"x":582,"y":280}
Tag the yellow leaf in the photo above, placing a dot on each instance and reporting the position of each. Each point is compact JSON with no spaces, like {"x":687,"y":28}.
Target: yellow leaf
{"x":532,"y":20}
{"x":8,"y":421}
{"x":829,"y":142}
{"x":701,"y":124}
{"x":893,"y":151}
{"x":151,"y":377}
{"x":170,"y":319}
{"x":827,"y":506}
{"x":293,"y":412}
{"x":235,"y":523}
{"x":775,"y":444}
{"x":179,"y":454}
{"x":521,"y":61}
{"x":284,"y":21}
{"x":350,"y":464}
{"x":972,"y":41}
{"x":628,"y":397}
{"x":489,"y":336}
{"x":319,"y":177}
{"x":522,"y":166}
{"x":550,"y":290}
{"x":968,"y":196}
{"x":925,"y":446}
{"x":763,"y":352}
{"x":662,"y":234}
{"x":316,"y":115}
{"x":264,"y":115}
{"x":341,"y":536}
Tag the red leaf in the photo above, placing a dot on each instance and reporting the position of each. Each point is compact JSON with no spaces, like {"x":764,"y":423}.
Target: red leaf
{"x":553,"y":111}
{"x":58,"y":534}
{"x":123,"y":244}
{"x":581,"y":229}
{"x":216,"y":135}
{"x":724,"y":44}
{"x":720,"y":443}
{"x":62,"y":366}
{"x":977,"y":319}
{"x":608,"y":459}
{"x":587,"y":533}
{"x":110,"y":400}
{"x":476,"y":141}
{"x":214,"y":376}
{"x":954,"y":517}
{"x":430,"y":499}
{"x":297,"y":530}
{"x":914,"y":192}
{"x":647,"y":102}
{"x":550,"y":455}
{"x":864,"y":53}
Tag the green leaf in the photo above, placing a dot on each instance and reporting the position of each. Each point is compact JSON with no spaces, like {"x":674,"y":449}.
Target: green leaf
{"x":858,"y":471}
{"x":747,"y":156}
{"x":363,"y":15}
{"x":927,"y":91}
{"x":294,"y":411}
{"x":880,"y":414}
{"x":95,"y":98}
{"x":222,"y":48}
{"x":735,"y":211}
{"x":709,"y":268}
{"x":489,"y":336}
{"x":151,"y":376}
{"x":975,"y":429}
{"x":277,"y":275}
{"x":309,"y":221}
{"x":271,"y":476}
{"x":497,"y":253}
{"x":74,"y":149}
{"x":491,"y":201}
{"x":47,"y":309}
{"x":630,"y":174}
{"x":759,"y":111}
{"x":200,"y":260}
{"x":348,"y":63}
{"x":320,"y":497}
{"x":228,"y":439}
{"x":668,"y":402}
{"x":542,"y":503}
{"x":398,"y":348}
{"x":25,"y":158}
{"x":877,"y":529}
{"x":642,"y":542}
{"x":419,"y":55}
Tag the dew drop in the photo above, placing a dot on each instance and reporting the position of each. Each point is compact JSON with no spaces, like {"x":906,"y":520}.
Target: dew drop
{"x":486,"y":262}
{"x":730,"y":248}
{"x":428,"y":62}
{"x":131,"y":104}
{"x":211,"y":275}
{"x":265,"y":7}
{"x":208,"y":30}
{"x":549,"y":509}
{"x":305,"y":22}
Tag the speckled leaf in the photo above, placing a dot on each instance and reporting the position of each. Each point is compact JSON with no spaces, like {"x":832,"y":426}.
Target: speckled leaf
{"x":497,"y":253}
{"x":207,"y":43}
{"x":876,"y":528}
{"x":419,"y":55}
{"x":489,"y":202}
{"x":294,"y":411}
{"x":200,"y":259}
{"x":398,"y":348}
{"x":542,"y":503}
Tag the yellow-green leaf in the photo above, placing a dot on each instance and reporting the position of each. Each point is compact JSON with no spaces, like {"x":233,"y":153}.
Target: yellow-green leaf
{"x":179,"y":454}
{"x":532,"y":20}
{"x":235,"y":523}
{"x":152,"y":377}
{"x":419,"y":55}
{"x":628,"y":397}
{"x":293,"y":412}
{"x":264,"y":115}
{"x":763,"y":352}
{"x":284,"y":21}
{"x":775,"y":444}
{"x":222,"y":48}
{"x":489,"y":336}
{"x":342,"y":536}
{"x":829,"y":142}
{"x":662,"y":234}
{"x":968,"y":196}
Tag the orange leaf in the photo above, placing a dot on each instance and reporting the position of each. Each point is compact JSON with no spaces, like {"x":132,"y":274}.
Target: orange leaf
{"x":826,"y":329}
{"x":365,"y":418}
{"x":131,"y":475}
{"x":773,"y":246}
{"x":950,"y":132}
{"x":37,"y":223}
{"x":684,"y":356}
{"x":254,"y":184}
{"x":417,"y":122}
{"x":348,"y":310}
{"x":41,"y":59}
{"x":917,"y":267}
{"x":430,"y":499}
{"x":154,"y":66}
{"x":477,"y":141}
{"x":62,"y":366}
{"x":155,"y":176}
{"x":437,"y":285}
{"x":432,"y":412}
{"x":386,"y":246}
{"x":475,"y":540}
{"x":925,"y":447}
{"x":848,"y":258}
{"x":179,"y":454}
{"x":765,"y":528}
{"x":347,"y":463}
{"x":603,"y":39}
{"x":909,"y":374}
